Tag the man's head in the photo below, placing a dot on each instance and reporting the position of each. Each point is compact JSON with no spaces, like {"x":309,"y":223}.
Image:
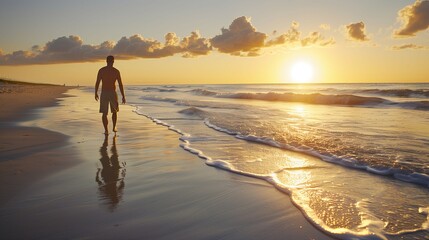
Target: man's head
{"x":110,"y":59}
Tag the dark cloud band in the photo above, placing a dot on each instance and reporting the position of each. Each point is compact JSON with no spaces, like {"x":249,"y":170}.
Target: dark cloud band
{"x":240,"y":39}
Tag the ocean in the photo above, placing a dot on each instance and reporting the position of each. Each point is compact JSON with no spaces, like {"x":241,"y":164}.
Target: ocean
{"x":354,"y":158}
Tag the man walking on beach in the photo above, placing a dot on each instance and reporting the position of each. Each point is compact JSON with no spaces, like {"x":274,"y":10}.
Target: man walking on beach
{"x":108,"y":75}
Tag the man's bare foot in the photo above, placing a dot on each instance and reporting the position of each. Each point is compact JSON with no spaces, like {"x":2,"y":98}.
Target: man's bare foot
{"x":106,"y":132}
{"x":115,"y":129}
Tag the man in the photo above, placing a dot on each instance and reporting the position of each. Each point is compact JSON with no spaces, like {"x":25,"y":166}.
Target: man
{"x":109,"y":75}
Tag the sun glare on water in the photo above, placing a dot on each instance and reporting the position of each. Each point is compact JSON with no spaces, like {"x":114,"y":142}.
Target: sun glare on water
{"x":301,"y":72}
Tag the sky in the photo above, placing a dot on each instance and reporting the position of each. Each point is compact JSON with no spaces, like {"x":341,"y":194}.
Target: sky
{"x":215,"y":42}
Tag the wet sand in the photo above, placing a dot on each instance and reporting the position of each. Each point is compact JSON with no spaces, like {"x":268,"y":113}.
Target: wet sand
{"x":28,"y":154}
{"x":139,"y":184}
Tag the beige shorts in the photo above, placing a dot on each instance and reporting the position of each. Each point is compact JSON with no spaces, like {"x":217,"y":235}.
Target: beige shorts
{"x":109,"y":98}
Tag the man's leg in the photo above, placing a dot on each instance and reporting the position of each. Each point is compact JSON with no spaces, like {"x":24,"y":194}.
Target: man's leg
{"x":105,"y":123}
{"x":114,"y":118}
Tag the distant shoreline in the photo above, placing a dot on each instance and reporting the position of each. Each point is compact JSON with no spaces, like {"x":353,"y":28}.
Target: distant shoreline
{"x":4,"y":81}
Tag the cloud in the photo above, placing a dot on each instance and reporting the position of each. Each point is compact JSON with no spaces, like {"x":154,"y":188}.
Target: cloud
{"x":356,"y":31}
{"x":325,"y":26}
{"x":17,"y":58}
{"x":137,"y":46}
{"x":240,"y":38}
{"x":415,"y":18}
{"x":290,"y":37}
{"x":71,"y":49}
{"x":409,"y":46}
{"x":60,"y":50}
{"x":63,"y":44}
{"x":194,"y":45}
{"x":293,"y":36}
{"x":315,"y":38}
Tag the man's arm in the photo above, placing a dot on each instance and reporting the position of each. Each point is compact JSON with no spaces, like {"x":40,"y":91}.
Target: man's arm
{"x":97,"y":84}
{"x":121,"y":87}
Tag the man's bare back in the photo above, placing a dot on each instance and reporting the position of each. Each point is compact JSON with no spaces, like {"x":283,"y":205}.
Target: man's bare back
{"x":108,"y":76}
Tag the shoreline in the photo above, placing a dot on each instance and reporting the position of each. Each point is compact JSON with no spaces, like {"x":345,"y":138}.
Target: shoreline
{"x":20,"y":100}
{"x":28,"y":154}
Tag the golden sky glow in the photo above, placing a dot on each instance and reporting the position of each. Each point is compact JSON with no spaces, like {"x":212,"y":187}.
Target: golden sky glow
{"x":364,"y":41}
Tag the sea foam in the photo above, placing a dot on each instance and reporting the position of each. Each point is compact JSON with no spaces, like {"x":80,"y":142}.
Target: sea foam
{"x":371,"y":229}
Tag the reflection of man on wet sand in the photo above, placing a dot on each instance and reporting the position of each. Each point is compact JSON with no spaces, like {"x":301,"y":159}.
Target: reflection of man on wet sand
{"x":110,"y":177}
{"x":108,"y":75}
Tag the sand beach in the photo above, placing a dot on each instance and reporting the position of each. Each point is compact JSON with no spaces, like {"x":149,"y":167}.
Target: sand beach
{"x":27,"y":153}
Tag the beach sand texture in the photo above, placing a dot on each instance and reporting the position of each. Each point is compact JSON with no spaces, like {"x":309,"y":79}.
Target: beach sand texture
{"x":27,"y":154}
{"x":138,"y":184}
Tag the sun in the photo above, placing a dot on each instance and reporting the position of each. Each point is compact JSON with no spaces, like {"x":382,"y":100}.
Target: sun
{"x":301,"y":72}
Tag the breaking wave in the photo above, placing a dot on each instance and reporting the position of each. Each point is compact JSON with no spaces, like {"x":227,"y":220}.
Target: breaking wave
{"x":403,"y":93}
{"x":314,"y":98}
{"x":158,"y":89}
{"x":407,"y":175}
{"x":317,"y":98}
